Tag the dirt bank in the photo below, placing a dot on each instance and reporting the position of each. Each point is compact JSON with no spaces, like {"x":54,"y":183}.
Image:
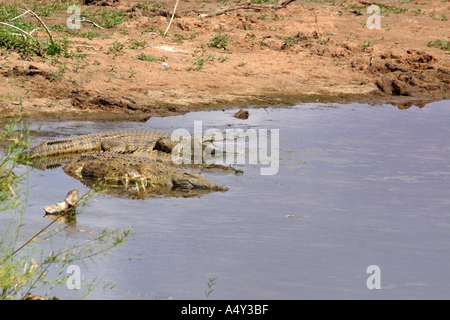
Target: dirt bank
{"x":231,"y":54}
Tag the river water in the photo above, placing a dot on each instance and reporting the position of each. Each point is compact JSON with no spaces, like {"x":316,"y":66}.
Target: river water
{"x":357,"y":186}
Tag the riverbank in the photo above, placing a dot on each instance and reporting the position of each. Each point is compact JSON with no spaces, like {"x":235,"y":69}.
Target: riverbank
{"x":228,"y":55}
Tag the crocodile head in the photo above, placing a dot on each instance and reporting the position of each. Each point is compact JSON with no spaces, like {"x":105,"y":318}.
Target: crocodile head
{"x":189,"y":180}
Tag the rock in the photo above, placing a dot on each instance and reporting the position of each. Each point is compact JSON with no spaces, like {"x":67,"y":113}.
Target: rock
{"x":241,"y":114}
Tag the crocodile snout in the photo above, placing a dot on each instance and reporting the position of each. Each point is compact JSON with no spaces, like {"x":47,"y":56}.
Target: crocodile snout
{"x":197,"y":180}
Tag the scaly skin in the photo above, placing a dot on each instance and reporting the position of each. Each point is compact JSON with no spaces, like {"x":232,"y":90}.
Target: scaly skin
{"x":124,"y":169}
{"x":124,"y":142}
{"x":112,"y":141}
{"x":124,"y":158}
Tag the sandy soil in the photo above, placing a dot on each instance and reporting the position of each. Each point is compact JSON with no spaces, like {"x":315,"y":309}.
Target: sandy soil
{"x":307,"y":51}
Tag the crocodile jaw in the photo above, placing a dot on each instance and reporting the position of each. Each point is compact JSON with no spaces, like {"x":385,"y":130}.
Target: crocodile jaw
{"x":191,"y":180}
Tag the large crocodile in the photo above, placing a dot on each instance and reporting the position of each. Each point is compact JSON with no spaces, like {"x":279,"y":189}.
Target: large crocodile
{"x":136,"y":159}
{"x":132,"y":170}
{"x":133,"y":141}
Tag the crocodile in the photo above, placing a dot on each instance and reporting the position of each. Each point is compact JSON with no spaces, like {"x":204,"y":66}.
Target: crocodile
{"x":128,"y":170}
{"x":131,"y":159}
{"x":133,"y":141}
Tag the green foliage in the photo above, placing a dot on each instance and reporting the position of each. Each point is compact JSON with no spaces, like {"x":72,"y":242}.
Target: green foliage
{"x":109,"y":18}
{"x":150,"y":6}
{"x":220,"y":41}
{"x":144,"y":57}
{"x":18,"y":143}
{"x":200,"y":61}
{"x":322,"y":41}
{"x":240,"y":64}
{"x":10,"y":11}
{"x":367,"y":43}
{"x":179,"y":38}
{"x":91,"y":35}
{"x":46,"y":9}
{"x":22,"y":44}
{"x":24,"y":266}
{"x":210,"y":283}
{"x":55,"y":48}
{"x":116,"y":49}
{"x":14,"y":39}
{"x":250,"y":36}
{"x":441,"y":44}
{"x":138,"y":44}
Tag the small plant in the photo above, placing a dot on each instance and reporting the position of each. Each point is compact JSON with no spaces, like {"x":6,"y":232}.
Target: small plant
{"x":144,"y":57}
{"x":90,"y":35}
{"x":222,"y":59}
{"x":155,"y":6}
{"x":210,"y":283}
{"x":109,"y":79}
{"x":367,"y":43}
{"x":61,"y":70}
{"x":149,"y":6}
{"x":116,"y":49}
{"x":132,"y":73}
{"x":220,"y":41}
{"x":388,"y":9}
{"x":240,"y":64}
{"x":109,"y":19}
{"x":417,"y":11}
{"x":264,"y":15}
{"x":193,"y":34}
{"x":138,"y":44}
{"x":79,"y":66}
{"x":250,"y":36}
{"x":74,"y":81}
{"x":322,"y":41}
{"x":148,"y":30}
{"x":112,"y":67}
{"x":179,"y":38}
{"x":124,"y":32}
{"x":277,"y":17}
{"x":289,"y":41}
{"x":441,"y":44}
{"x":201,"y":60}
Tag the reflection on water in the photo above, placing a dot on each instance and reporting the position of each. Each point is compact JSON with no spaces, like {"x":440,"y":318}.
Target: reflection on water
{"x":357,"y":186}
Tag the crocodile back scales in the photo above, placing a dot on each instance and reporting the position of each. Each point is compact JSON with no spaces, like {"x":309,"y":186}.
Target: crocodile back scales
{"x":94,"y":141}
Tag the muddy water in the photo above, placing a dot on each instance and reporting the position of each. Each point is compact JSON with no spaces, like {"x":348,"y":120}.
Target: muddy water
{"x":357,"y":186}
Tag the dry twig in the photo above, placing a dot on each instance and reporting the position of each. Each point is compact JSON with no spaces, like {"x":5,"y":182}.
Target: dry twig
{"x":89,"y":21}
{"x":171,"y":19}
{"x":40,"y":21}
{"x":10,"y":25}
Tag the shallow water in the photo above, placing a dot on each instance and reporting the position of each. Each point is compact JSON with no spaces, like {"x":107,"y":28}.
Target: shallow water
{"x":357,"y":185}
